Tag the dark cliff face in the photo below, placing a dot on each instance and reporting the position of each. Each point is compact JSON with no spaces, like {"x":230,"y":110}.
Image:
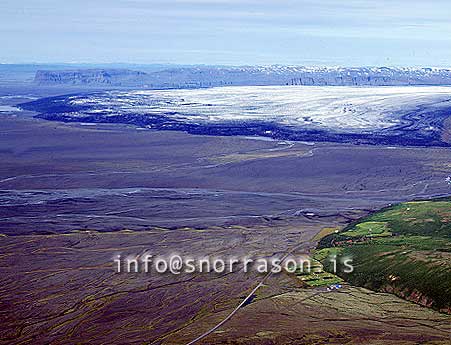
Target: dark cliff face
{"x":113,"y":77}
{"x":193,"y":77}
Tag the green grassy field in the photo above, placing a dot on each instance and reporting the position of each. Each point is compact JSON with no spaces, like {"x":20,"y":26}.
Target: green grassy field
{"x":404,"y":249}
{"x":316,"y":276}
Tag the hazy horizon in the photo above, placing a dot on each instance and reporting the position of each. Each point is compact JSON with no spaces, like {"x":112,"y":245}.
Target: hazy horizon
{"x":170,"y":64}
{"x":219,"y":32}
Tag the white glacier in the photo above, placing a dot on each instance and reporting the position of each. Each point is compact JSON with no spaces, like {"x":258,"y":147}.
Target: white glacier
{"x":351,"y":109}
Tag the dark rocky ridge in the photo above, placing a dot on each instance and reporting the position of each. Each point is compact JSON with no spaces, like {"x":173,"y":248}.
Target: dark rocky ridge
{"x":205,"y":76}
{"x":95,"y":77}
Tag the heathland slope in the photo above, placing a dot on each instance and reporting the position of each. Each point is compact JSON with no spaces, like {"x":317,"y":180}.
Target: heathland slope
{"x":404,"y":249}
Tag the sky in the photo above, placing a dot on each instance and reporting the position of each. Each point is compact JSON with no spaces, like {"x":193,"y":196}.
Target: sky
{"x":228,"y":32}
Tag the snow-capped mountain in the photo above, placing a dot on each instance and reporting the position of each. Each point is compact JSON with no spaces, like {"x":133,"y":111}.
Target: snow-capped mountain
{"x":207,"y":76}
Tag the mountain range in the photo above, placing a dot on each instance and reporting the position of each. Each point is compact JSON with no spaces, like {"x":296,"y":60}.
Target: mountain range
{"x":210,"y":76}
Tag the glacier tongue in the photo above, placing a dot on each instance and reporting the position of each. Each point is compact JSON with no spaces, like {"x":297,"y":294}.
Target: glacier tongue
{"x":337,"y":108}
